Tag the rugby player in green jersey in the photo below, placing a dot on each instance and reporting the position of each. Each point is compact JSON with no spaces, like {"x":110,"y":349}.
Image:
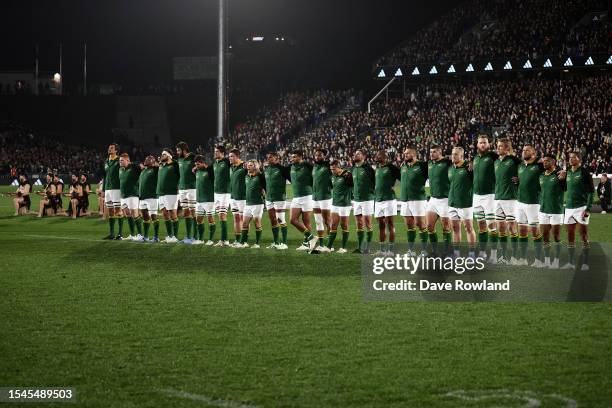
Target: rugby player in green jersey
{"x":413,"y":199}
{"x":255,"y":185}
{"x":237,"y":192}
{"x":578,"y":201}
{"x":147,"y":197}
{"x":437,"y":206}
{"x":528,"y":205}
{"x":221,"y":170}
{"x":112,"y":193}
{"x":301,"y":204}
{"x":167,"y":192}
{"x":277,"y":176}
{"x":550,"y":216}
{"x":342,"y":182}
{"x":128,"y":182}
{"x":205,"y":200}
{"x":460,"y":198}
{"x":363,"y":200}
{"x":484,"y":196}
{"x":506,"y":194}
{"x":385,"y":207}
{"x":321,"y":195}
{"x":187,"y":188}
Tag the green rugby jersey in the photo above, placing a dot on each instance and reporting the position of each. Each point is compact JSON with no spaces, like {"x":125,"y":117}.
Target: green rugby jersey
{"x":552,"y":191}
{"x":342,"y":191}
{"x":221,"y":168}
{"x":529,"y":182}
{"x":484,"y":173}
{"x":147,"y":183}
{"x":461,"y":186}
{"x":111,"y":174}
{"x":385,"y":177}
{"x":276,"y":182}
{"x":505,"y":169}
{"x":255,"y":185}
{"x":579,"y":188}
{"x":187,"y":180}
{"x":412,"y":181}
{"x":321,"y":181}
{"x":237,"y":188}
{"x":205,"y":185}
{"x":437,"y":172}
{"x":128,"y":180}
{"x":301,"y":179}
{"x":167,"y":179}
{"x":363,"y":182}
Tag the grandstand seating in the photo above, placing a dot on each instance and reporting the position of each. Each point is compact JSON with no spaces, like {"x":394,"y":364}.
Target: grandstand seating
{"x":478,"y":29}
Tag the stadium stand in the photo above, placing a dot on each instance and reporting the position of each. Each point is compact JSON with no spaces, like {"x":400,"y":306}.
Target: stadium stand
{"x":275,"y":124}
{"x":477,"y":29}
{"x":25,"y":151}
{"x":555,"y":115}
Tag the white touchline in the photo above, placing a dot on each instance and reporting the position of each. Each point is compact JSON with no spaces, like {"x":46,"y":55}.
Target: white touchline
{"x":58,"y":237}
{"x":529,"y":397}
{"x":79,"y":239}
{"x":208,"y":400}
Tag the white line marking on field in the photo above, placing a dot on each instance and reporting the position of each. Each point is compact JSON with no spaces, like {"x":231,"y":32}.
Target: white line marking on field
{"x":208,"y":400}
{"x":529,"y":399}
{"x":58,"y":237}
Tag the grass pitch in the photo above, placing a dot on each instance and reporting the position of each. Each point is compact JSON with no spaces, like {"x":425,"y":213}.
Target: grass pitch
{"x":137,"y":325}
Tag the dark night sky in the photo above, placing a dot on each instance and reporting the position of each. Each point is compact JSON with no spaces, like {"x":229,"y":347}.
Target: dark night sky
{"x":132,"y":40}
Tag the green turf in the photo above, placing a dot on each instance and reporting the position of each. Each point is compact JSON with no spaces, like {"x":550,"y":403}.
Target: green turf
{"x":121,"y":322}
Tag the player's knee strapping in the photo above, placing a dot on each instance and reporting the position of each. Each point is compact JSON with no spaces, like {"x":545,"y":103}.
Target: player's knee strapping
{"x":319,"y":222}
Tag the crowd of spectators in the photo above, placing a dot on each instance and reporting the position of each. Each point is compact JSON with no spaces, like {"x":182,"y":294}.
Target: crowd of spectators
{"x":554,"y":115}
{"x":273,"y":125}
{"x":23,"y":151}
{"x":478,"y":30}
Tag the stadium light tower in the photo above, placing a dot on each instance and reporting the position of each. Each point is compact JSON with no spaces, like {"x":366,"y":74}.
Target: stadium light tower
{"x":221,"y":74}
